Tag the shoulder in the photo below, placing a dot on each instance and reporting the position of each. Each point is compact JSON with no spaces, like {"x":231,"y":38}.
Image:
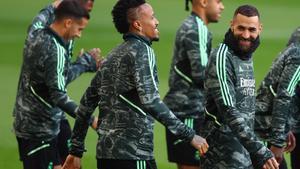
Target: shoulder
{"x":292,"y":52}
{"x":222,"y":50}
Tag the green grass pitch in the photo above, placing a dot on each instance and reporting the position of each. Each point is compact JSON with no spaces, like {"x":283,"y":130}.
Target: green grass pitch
{"x":279,"y":19}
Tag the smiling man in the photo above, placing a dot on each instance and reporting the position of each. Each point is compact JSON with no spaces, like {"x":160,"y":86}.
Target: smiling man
{"x":126,"y":91}
{"x":42,"y":96}
{"x":230,"y":88}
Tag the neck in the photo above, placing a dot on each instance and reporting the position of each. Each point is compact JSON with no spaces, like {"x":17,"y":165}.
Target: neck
{"x":59,"y":30}
{"x":200,"y":12}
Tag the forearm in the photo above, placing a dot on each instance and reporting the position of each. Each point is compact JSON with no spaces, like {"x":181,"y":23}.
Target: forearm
{"x":162,"y":113}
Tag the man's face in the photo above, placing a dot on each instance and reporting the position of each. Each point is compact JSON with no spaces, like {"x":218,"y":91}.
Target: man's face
{"x":213,"y":10}
{"x":245,"y":30}
{"x":148,"y":22}
{"x":75,"y":27}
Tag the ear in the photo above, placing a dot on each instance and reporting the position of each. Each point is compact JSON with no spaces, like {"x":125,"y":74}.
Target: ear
{"x":231,"y":25}
{"x":137,"y":25}
{"x":203,"y":3}
{"x":68,"y":23}
{"x":260,"y":27}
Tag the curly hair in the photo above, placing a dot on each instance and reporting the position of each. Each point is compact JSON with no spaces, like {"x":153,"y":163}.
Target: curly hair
{"x":120,"y":13}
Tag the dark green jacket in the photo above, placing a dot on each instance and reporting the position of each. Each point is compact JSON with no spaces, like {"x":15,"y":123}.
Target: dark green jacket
{"x":126,"y":91}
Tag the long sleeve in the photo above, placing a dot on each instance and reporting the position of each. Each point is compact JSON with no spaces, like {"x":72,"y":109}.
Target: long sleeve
{"x":146,"y":83}
{"x":44,"y":18}
{"x":55,"y":79}
{"x":195,"y":43}
{"x":84,"y":63}
{"x":221,"y":86}
{"x":88,"y":104}
{"x":287,"y":83}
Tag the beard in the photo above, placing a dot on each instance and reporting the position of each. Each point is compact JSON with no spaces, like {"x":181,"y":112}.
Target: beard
{"x":236,"y":44}
{"x":155,"y":39}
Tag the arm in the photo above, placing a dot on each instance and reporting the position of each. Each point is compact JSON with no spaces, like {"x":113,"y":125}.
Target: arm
{"x":44,"y":18}
{"x":145,"y":79}
{"x":88,"y":104}
{"x":286,"y":89}
{"x":55,"y":79}
{"x":86,"y":62}
{"x":196,"y":45}
{"x":220,"y":86}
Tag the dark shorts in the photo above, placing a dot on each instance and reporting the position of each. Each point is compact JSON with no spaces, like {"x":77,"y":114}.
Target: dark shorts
{"x":38,"y":154}
{"x":295,"y":154}
{"x":45,"y":154}
{"x":125,"y":164}
{"x":183,"y":153}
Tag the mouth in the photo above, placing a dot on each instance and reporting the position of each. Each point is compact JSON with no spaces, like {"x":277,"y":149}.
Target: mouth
{"x":245,"y":42}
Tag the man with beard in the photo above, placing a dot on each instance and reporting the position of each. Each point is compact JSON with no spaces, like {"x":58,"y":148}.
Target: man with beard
{"x":277,"y":101}
{"x":186,"y":94}
{"x":230,"y":88}
{"x":126,"y":91}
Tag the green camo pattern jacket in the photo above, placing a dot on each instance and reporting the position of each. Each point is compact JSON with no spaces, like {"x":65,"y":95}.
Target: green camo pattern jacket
{"x":230,"y":87}
{"x":274,"y":96}
{"x":192,"y":47}
{"x":45,"y":73}
{"x":126,"y":90}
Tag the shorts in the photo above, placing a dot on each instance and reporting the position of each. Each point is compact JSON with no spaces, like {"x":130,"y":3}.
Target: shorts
{"x":184,"y":153}
{"x":125,"y":164}
{"x":38,"y":154}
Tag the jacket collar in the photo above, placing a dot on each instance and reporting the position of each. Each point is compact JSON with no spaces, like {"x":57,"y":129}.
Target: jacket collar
{"x":144,"y":39}
{"x":60,"y":40}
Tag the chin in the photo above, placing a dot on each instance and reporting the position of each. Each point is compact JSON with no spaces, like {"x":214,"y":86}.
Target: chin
{"x":156,"y":39}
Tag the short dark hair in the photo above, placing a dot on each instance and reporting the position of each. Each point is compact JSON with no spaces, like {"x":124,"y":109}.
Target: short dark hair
{"x":71,"y":8}
{"x":247,"y":10}
{"x":120,"y":13}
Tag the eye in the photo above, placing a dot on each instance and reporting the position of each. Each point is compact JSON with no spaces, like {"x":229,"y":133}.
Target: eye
{"x":252,"y":29}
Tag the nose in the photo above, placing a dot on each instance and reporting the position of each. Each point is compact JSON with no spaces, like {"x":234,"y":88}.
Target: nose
{"x":222,"y":7}
{"x":246,"y":34}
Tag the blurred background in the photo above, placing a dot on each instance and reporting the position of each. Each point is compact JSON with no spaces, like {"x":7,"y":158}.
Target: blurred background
{"x":279,"y":18}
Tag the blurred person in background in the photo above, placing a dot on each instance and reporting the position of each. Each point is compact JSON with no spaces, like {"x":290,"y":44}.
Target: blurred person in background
{"x":186,"y":96}
{"x":277,"y":100}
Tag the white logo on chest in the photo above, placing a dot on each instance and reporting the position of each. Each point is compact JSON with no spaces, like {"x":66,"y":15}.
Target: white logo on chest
{"x":247,"y":82}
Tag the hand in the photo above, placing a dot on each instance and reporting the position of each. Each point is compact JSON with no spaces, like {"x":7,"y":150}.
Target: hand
{"x":94,"y":124}
{"x":200,"y":144}
{"x":278,"y":153}
{"x":96,"y":54}
{"x":72,"y":162}
{"x":291,"y":142}
{"x":271,"y":164}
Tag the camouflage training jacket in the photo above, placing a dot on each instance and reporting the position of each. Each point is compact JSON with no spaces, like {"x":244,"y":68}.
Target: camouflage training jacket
{"x":45,"y":73}
{"x":230,"y":88}
{"x":192,"y":47}
{"x":126,"y":89}
{"x":275,"y":94}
